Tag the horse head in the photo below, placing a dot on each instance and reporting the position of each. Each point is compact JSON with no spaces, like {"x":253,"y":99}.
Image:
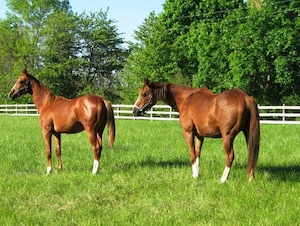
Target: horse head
{"x":21,"y":87}
{"x":145,"y":100}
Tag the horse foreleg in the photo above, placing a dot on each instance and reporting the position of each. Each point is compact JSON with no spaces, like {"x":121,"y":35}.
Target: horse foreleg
{"x":47,"y":138}
{"x":189,"y":138}
{"x":58,"y":150}
{"x":228,"y":147}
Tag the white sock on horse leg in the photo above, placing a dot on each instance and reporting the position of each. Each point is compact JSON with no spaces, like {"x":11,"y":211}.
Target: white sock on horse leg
{"x":225,"y":174}
{"x":195,"y":168}
{"x":48,"y":169}
{"x":95,"y":167}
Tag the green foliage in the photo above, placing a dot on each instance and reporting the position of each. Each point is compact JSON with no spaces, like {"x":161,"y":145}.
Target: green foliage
{"x":150,"y":57}
{"x":69,"y":53}
{"x":102,"y":54}
{"x":60,"y":53}
{"x":221,"y":45}
{"x":146,"y":179}
{"x":218,"y":44}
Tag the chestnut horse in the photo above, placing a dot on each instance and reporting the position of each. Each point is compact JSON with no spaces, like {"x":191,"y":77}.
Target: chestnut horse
{"x":205,"y":114}
{"x":60,"y":115}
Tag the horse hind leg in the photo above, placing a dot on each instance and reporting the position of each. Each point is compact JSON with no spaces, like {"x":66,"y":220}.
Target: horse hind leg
{"x":194,"y":156}
{"x":57,"y":140}
{"x":228,"y":147}
{"x":97,"y":154}
{"x":198,"y":145}
{"x":96,"y":142}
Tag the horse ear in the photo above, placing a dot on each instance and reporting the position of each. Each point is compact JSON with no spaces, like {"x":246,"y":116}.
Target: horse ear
{"x":25,"y":71}
{"x":146,"y":82}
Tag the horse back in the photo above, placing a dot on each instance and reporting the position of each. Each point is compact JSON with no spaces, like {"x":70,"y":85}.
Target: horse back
{"x":212,"y":115}
{"x":88,"y":107}
{"x":73,"y":115}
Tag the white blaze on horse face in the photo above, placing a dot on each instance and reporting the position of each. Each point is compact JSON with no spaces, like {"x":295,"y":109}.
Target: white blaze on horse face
{"x":225,"y":174}
{"x":135,"y":104}
{"x":14,"y":87}
{"x":195,"y":168}
{"x":95,"y":167}
{"x":49,"y":170}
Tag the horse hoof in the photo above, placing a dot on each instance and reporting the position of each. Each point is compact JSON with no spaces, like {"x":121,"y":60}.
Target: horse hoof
{"x":223,"y":180}
{"x":195,"y":176}
{"x":48,"y":170}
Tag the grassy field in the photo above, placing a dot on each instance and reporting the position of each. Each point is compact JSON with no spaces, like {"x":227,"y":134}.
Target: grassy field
{"x":146,"y":179}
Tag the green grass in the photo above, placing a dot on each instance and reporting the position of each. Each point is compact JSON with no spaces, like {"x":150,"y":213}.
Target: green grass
{"x":146,"y":179}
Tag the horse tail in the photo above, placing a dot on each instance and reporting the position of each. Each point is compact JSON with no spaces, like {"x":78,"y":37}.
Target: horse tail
{"x":111,"y":123}
{"x":252,"y":137}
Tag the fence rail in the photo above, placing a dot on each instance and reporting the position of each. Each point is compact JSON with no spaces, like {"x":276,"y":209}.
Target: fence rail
{"x":268,"y":114}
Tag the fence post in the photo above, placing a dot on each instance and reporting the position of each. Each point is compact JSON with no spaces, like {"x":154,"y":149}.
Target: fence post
{"x":283,"y":113}
{"x":151,"y":114}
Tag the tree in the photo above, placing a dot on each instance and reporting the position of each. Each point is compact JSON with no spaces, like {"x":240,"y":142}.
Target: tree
{"x":60,"y":53}
{"x":169,"y":44}
{"x":31,"y":14}
{"x":264,"y":56}
{"x":283,"y":51}
{"x":150,"y":57}
{"x":102,"y":54}
{"x":220,"y":45}
{"x":72,"y":54}
{"x":254,"y":48}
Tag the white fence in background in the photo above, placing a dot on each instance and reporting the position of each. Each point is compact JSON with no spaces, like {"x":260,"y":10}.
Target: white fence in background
{"x":268,"y":114}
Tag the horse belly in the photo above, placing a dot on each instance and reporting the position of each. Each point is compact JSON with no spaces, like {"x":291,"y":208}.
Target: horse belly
{"x":207,"y":127}
{"x":211,"y":131}
{"x":68,"y":127}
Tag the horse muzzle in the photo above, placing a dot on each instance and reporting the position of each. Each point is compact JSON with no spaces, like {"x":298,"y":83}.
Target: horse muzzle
{"x":13,"y":94}
{"x":136,"y":111}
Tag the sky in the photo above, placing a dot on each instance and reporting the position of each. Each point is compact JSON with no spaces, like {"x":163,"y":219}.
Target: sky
{"x":128,"y":14}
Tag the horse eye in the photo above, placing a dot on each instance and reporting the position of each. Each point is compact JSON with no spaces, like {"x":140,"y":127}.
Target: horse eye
{"x":23,"y":82}
{"x":145,"y":94}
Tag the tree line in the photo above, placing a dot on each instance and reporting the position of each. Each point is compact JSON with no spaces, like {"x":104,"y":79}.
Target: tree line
{"x":70,"y":53}
{"x":217,"y":44}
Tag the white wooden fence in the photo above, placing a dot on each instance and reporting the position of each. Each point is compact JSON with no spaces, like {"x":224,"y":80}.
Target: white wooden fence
{"x":268,"y":114}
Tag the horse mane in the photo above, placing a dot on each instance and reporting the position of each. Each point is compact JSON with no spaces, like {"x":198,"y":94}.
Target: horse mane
{"x":31,"y":77}
{"x":204,"y":90}
{"x":159,"y":90}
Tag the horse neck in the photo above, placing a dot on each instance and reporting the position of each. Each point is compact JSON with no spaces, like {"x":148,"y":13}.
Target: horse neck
{"x":175,"y":95}
{"x":41,"y":96}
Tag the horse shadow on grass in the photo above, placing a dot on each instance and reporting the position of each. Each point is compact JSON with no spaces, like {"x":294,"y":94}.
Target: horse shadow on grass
{"x":276,"y":173}
{"x":281,"y":173}
{"x":269,"y":172}
{"x":149,"y":163}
